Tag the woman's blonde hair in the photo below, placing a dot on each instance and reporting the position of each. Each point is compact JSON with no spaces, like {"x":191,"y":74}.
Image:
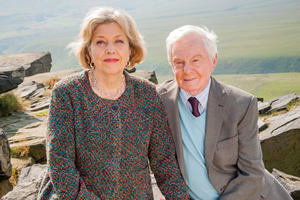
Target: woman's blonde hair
{"x":104,"y":15}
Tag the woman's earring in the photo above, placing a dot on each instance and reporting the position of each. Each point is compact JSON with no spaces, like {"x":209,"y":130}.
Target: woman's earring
{"x":92,"y":65}
{"x":128,"y":65}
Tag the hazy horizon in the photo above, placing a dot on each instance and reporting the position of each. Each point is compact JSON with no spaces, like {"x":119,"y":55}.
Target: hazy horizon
{"x":264,"y":31}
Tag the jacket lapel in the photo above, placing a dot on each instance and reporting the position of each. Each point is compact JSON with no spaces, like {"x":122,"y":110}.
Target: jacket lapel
{"x":170,"y":100}
{"x":215,"y":114}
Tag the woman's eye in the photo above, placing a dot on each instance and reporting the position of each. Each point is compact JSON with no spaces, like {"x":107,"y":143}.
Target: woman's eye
{"x":196,"y":60}
{"x":100,"y":42}
{"x":119,"y":41}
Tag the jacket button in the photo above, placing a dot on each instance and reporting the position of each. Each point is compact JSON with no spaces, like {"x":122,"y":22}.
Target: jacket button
{"x":114,"y":184}
{"x":114,"y":107}
{"x":116,"y":156}
{"x":117,"y":131}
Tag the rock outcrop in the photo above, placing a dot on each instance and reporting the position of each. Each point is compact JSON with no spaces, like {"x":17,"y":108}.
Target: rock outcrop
{"x":5,"y":165}
{"x":30,"y":180}
{"x":276,"y":104}
{"x":5,"y":187}
{"x":146,"y":74}
{"x":29,"y":183}
{"x":33,"y":63}
{"x":280,"y":142}
{"x":290,"y":183}
{"x":10,"y":77}
{"x":30,"y":89}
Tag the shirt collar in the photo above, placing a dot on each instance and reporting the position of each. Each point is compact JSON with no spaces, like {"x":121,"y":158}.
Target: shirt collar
{"x":202,"y":97}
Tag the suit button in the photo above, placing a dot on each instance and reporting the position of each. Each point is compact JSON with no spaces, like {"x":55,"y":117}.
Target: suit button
{"x":114,"y":184}
{"x":117,"y":131}
{"x":116,"y":156}
{"x":114,"y":107}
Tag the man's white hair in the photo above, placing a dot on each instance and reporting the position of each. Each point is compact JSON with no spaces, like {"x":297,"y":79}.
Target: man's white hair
{"x":209,"y":39}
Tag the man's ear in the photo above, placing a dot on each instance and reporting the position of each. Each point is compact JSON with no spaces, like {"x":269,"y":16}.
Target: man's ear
{"x":214,"y":61}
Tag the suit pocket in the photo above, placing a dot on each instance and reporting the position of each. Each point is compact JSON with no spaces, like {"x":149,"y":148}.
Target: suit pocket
{"x":226,"y":155}
{"x":228,"y":143}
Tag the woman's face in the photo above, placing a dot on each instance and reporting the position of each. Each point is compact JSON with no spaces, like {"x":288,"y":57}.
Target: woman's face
{"x":109,"y":49}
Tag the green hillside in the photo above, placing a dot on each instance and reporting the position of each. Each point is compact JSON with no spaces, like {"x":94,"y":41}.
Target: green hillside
{"x":267,"y":86}
{"x":255,"y":36}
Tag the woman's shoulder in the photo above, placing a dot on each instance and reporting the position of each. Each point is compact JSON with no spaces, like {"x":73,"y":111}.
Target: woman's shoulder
{"x":71,"y":82}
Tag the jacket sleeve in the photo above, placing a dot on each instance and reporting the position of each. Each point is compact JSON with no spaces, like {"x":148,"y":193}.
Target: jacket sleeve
{"x":249,"y":181}
{"x":162,"y":156}
{"x":66,"y":180}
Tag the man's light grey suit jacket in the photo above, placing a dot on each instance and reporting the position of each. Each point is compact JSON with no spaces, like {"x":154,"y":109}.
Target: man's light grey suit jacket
{"x":232,"y":150}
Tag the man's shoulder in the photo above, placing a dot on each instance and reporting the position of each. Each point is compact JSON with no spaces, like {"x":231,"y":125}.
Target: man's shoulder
{"x":165,"y":86}
{"x":230,"y":90}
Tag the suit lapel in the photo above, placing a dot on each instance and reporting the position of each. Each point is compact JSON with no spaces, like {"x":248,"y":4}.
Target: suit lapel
{"x":170,"y":99}
{"x":215,"y":114}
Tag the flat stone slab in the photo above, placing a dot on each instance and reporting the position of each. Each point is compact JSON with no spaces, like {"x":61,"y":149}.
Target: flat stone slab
{"x":289,"y":182}
{"x":29,"y":182}
{"x":281,"y":102}
{"x":263,"y":107}
{"x":33,"y":63}
{"x":10,"y":77}
{"x":281,"y":123}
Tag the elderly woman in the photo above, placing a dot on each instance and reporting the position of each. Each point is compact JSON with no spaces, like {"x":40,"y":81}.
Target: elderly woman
{"x":105,"y":124}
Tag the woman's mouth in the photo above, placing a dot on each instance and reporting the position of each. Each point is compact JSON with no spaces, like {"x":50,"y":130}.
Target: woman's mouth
{"x":111,"y":60}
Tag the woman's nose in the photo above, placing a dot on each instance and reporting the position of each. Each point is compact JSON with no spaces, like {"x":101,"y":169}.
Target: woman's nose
{"x":110,"y":48}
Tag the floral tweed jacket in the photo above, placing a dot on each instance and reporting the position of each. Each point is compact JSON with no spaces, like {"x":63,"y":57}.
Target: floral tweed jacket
{"x":99,"y":148}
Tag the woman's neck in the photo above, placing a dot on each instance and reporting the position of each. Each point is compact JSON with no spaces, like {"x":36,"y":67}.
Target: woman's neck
{"x":109,"y":87}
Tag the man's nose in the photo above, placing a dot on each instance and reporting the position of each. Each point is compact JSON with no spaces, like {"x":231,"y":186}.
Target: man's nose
{"x":187,"y":68}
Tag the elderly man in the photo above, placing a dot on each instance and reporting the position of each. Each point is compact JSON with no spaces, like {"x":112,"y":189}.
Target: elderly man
{"x":214,"y":125}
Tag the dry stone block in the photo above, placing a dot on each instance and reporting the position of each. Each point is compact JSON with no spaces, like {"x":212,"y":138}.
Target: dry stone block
{"x":5,"y":165}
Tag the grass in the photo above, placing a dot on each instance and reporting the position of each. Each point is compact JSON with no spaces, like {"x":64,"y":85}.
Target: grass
{"x":51,"y":82}
{"x":19,"y":151}
{"x":267,"y":86}
{"x":9,"y":104}
{"x":43,"y":113}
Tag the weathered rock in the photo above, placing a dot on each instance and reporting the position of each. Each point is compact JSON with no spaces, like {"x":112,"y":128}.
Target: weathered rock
{"x":263,"y":107}
{"x":5,"y":165}
{"x":281,"y":102}
{"x":5,"y":187}
{"x":44,"y":77}
{"x":40,"y":105}
{"x":33,"y":136}
{"x":157,"y":195}
{"x":10,"y":77}
{"x":280,"y":142}
{"x":289,"y":182}
{"x":19,"y":163}
{"x":26,"y":130}
{"x":30,"y":89}
{"x":41,"y":78}
{"x":262,"y":125}
{"x":146,"y":74}
{"x":34,"y":63}
{"x":15,"y":123}
{"x":30,"y":180}
{"x":29,"y":183}
{"x":130,"y":70}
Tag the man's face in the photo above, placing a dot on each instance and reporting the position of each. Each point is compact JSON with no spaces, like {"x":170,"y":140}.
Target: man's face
{"x":190,"y":64}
